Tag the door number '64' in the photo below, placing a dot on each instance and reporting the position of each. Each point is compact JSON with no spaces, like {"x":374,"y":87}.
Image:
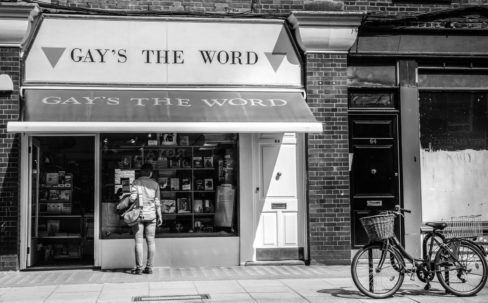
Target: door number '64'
{"x":372,"y":141}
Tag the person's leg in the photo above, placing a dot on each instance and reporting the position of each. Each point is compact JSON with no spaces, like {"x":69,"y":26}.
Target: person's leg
{"x":138,"y":231}
{"x":150,"y":231}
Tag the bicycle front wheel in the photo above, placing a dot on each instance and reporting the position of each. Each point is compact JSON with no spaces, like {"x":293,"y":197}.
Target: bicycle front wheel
{"x":461,"y":268}
{"x":373,"y":281}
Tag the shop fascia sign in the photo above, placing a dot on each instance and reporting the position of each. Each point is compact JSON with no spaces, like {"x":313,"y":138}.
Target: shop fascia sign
{"x":162,"y":52}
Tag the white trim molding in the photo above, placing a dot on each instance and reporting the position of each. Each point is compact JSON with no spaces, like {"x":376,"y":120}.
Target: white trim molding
{"x":184,"y":127}
{"x":325,"y":32}
{"x":15,"y":22}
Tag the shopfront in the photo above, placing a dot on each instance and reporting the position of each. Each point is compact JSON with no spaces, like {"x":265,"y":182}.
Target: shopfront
{"x":215,"y":105}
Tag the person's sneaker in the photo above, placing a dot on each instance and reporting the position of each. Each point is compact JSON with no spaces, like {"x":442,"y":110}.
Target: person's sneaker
{"x":147,"y":270}
{"x":136,"y":271}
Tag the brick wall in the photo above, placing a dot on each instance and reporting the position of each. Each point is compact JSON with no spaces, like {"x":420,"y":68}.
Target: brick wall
{"x":390,"y":7}
{"x":328,"y":170}
{"x":9,"y":161}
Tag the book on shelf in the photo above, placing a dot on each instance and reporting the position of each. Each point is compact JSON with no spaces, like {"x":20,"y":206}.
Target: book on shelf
{"x":168,"y":139}
{"x":209,"y":184}
{"x":164,"y":183}
{"x":65,"y":194}
{"x":68,"y":179}
{"x":52,"y":227}
{"x":184,"y":140}
{"x":199,"y":184}
{"x":175,"y":184}
{"x":185,"y":184}
{"x":53,"y":194}
{"x":197,"y":162}
{"x":186,"y":163}
{"x":183,"y":205}
{"x":168,"y":206}
{"x":198,"y":206}
{"x":162,"y":161}
{"x":174,"y":162}
{"x":125,"y":182}
{"x":208,"y":206}
{"x":52,"y":178}
{"x":208,"y":162}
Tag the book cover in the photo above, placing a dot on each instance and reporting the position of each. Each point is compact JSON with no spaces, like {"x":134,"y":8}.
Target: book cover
{"x":208,"y":206}
{"x":164,"y":183}
{"x":198,"y":206}
{"x":185,"y":184}
{"x":175,"y":184}
{"x":65,"y":194}
{"x":184,"y":140}
{"x":52,"y":178}
{"x":197,"y":162}
{"x":53,"y":194}
{"x":125,"y":185}
{"x":174,"y":162}
{"x":208,"y":162}
{"x":52,"y":227}
{"x":199,"y":184}
{"x":168,"y":139}
{"x":68,"y":179}
{"x":168,"y":206}
{"x":209,"y":184}
{"x":183,"y":205}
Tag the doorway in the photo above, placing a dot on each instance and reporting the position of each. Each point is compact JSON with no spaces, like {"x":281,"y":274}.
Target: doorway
{"x":374,"y":169}
{"x":279,"y":198}
{"x":61,"y":204}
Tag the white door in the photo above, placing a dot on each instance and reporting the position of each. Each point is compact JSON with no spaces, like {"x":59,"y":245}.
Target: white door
{"x":280,"y":205}
{"x":33,"y":209}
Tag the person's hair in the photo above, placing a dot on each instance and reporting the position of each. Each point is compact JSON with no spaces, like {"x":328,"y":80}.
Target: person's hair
{"x":146,"y":169}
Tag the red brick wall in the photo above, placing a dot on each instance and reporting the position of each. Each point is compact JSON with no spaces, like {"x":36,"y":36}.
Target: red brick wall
{"x":328,"y":170}
{"x":9,"y":162}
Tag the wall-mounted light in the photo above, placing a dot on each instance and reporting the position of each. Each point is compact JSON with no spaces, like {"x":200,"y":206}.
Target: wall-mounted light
{"x":6,"y":84}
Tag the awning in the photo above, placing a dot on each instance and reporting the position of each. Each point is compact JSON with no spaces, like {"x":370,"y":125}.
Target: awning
{"x":97,"y":110}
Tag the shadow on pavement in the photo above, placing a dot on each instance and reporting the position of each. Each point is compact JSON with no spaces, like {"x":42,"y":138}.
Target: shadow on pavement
{"x":356,"y":294}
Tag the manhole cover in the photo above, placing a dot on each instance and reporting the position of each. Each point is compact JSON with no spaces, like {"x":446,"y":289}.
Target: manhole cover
{"x":170,"y":298}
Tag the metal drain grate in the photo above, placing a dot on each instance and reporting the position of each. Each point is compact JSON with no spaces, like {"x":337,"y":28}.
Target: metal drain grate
{"x":170,"y":298}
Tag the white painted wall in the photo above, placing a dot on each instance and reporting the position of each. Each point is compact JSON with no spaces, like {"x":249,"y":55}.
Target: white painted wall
{"x":454,"y":183}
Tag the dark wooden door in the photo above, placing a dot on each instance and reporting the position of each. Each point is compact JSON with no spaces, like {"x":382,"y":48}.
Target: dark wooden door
{"x":374,"y":169}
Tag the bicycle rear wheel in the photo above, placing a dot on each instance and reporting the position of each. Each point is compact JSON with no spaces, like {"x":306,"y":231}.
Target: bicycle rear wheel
{"x":377,"y":284}
{"x":461,"y":268}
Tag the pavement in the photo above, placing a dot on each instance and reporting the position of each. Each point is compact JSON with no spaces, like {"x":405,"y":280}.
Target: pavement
{"x":298,"y":283}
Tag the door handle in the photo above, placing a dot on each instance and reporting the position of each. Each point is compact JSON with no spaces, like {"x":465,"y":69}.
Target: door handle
{"x":278,"y":175}
{"x":257,"y":189}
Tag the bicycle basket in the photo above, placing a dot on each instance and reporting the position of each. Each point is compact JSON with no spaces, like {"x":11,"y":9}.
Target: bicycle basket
{"x":379,"y":227}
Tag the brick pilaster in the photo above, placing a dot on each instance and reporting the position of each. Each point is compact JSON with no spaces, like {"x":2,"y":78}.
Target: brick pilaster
{"x":328,"y":170}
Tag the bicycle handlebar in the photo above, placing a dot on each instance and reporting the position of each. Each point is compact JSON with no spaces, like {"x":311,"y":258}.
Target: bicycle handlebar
{"x":402,"y":210}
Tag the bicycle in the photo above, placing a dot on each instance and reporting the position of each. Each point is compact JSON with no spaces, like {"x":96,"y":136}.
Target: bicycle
{"x":378,"y":269}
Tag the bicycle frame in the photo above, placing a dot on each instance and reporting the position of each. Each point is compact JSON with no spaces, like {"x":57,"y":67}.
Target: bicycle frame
{"x":395,"y":243}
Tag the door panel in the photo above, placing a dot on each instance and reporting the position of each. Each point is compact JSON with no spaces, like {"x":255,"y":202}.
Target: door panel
{"x":277,"y":199}
{"x":374,"y":170}
{"x":269,"y":229}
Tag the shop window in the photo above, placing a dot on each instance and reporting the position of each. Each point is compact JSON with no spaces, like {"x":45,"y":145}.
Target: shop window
{"x":454,"y":154}
{"x":197,"y":176}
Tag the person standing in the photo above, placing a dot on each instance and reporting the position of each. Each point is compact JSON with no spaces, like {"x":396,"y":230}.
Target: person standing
{"x":146,"y":191}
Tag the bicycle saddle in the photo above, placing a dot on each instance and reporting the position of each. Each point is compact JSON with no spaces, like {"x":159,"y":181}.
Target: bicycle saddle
{"x":437,"y":225}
